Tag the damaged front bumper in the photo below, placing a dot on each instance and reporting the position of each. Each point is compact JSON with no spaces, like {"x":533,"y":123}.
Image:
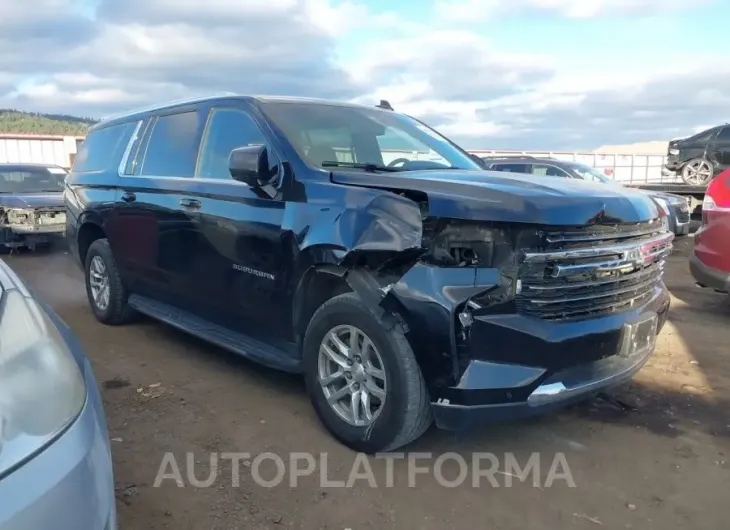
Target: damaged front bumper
{"x":14,"y":236}
{"x":497,"y":363}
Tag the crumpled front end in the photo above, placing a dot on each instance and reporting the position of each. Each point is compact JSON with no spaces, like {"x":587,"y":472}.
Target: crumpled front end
{"x":28,"y":227}
{"x":510,"y":320}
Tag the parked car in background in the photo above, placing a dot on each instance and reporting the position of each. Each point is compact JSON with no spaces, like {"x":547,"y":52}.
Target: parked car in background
{"x":404,"y":291}
{"x":32,"y":213}
{"x":710,"y":260}
{"x":698,"y":158}
{"x":676,"y":206}
{"x":55,"y":460}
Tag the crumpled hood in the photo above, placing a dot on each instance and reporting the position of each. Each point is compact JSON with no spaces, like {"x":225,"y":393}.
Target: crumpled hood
{"x":511,"y":197}
{"x":31,"y":200}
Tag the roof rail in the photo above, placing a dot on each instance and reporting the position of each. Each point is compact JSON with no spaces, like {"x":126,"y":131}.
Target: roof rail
{"x":159,"y":106}
{"x":384,"y":104}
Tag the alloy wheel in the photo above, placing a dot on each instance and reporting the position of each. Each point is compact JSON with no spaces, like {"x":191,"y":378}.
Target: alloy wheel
{"x":99,"y":283}
{"x":352,"y":375}
{"x":697,"y":172}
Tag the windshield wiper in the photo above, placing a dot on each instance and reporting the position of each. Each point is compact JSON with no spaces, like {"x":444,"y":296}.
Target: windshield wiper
{"x":356,"y":165}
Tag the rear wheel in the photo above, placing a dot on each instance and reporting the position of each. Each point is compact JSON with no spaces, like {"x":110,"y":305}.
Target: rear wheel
{"x":697,"y":172}
{"x":363,"y":379}
{"x":104,"y":287}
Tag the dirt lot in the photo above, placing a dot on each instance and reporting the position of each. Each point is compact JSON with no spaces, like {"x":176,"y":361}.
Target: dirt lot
{"x":660,"y":461}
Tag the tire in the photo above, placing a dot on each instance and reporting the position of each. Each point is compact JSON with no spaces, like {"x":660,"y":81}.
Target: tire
{"x":697,"y":172}
{"x":405,"y":413}
{"x":116,"y":311}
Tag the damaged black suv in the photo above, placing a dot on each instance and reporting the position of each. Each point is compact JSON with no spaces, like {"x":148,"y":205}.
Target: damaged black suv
{"x":360,"y":247}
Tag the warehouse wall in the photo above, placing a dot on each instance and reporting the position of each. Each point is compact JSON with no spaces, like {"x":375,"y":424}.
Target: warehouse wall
{"x":58,"y":150}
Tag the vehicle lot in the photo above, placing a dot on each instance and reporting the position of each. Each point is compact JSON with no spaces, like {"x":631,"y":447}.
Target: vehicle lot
{"x":660,"y":461}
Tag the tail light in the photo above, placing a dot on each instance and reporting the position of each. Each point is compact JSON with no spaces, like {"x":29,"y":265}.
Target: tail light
{"x":717,"y":196}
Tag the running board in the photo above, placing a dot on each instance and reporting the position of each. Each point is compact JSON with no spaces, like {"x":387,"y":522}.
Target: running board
{"x":236,"y":342}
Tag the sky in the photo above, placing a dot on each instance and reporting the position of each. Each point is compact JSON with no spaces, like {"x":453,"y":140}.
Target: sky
{"x":491,"y":74}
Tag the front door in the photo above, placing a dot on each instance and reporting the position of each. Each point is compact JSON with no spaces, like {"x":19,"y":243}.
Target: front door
{"x":239,"y":255}
{"x":721,"y":148}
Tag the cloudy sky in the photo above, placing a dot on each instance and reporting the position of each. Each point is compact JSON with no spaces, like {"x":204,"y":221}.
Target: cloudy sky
{"x":527,"y":74}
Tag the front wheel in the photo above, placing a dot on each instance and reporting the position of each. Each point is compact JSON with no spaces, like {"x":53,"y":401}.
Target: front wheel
{"x":697,"y":172}
{"x":104,"y":287}
{"x":363,"y":378}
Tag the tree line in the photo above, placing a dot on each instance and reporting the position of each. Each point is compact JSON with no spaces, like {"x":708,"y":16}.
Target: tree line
{"x":17,"y":122}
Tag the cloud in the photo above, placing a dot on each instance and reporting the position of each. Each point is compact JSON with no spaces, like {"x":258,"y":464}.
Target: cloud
{"x":140,"y":50}
{"x":473,"y":10}
{"x":98,"y":57}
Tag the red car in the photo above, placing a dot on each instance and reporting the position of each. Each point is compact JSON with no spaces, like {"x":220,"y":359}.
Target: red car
{"x":710,"y":262}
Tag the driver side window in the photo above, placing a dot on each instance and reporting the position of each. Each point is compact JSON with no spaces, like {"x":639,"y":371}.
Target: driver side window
{"x":227,"y":129}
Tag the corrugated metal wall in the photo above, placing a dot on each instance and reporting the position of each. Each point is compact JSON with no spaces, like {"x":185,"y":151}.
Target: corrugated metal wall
{"x":57,"y":150}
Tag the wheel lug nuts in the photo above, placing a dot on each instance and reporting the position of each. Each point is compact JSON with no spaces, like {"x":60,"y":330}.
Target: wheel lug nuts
{"x":349,"y":362}
{"x":356,"y":386}
{"x":348,"y":375}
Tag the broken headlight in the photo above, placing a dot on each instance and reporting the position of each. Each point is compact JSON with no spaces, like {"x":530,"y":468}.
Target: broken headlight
{"x":19,"y":216}
{"x":468,"y":244}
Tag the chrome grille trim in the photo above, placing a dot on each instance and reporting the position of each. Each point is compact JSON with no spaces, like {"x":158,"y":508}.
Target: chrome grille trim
{"x":598,"y":277}
{"x":659,"y":245}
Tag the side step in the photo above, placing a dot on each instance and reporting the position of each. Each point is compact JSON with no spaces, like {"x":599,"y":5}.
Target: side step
{"x":236,"y":342}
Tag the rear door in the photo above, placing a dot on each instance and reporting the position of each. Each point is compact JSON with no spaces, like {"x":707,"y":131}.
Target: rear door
{"x":238,"y":260}
{"x":156,"y":219}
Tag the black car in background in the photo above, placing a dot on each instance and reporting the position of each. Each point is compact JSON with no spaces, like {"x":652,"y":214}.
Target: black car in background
{"x":404,"y":290}
{"x":32,"y":213}
{"x":676,"y":206}
{"x":700,"y":157}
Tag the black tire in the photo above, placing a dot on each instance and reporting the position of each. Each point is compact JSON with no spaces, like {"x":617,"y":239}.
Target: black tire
{"x":406,"y":412}
{"x":117,"y":311}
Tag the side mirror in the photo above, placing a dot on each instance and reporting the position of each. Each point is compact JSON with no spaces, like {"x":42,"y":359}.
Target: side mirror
{"x":250,"y":165}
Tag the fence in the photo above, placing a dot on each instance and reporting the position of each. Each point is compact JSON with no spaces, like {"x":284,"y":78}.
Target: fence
{"x":628,"y":168}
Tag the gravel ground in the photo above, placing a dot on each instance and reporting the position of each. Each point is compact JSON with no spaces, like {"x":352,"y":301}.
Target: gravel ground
{"x":656,"y":456}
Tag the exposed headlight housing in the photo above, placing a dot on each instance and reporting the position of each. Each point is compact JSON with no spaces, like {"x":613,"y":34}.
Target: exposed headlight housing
{"x":42,"y":390}
{"x":19,"y":216}
{"x":468,"y":244}
{"x":674,"y":152}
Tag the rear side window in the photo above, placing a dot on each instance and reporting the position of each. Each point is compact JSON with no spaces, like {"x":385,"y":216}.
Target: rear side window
{"x":172,"y":150}
{"x":547,"y":171}
{"x":724,"y":134}
{"x":103,"y":148}
{"x":511,"y":168}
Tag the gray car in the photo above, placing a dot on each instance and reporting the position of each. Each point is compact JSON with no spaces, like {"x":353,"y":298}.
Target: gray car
{"x":55,"y":459}
{"x":676,"y":206}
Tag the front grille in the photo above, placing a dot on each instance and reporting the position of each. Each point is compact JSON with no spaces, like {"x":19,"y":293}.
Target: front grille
{"x":585,"y":272}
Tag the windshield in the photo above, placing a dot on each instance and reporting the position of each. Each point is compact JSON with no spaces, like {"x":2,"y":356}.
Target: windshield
{"x":591,"y":173}
{"x":363,"y":138}
{"x":22,"y":179}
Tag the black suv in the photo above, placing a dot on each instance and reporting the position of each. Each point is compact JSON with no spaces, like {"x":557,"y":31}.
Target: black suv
{"x":676,"y":207}
{"x":700,"y":157}
{"x":360,"y":247}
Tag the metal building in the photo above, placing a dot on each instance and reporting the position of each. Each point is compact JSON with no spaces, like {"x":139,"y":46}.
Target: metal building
{"x":42,"y":149}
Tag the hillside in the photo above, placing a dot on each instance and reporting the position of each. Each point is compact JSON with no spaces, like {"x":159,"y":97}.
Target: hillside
{"x":14,"y":121}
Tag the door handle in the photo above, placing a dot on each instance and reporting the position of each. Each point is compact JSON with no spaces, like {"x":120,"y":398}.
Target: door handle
{"x":190,"y":203}
{"x":129,"y":197}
